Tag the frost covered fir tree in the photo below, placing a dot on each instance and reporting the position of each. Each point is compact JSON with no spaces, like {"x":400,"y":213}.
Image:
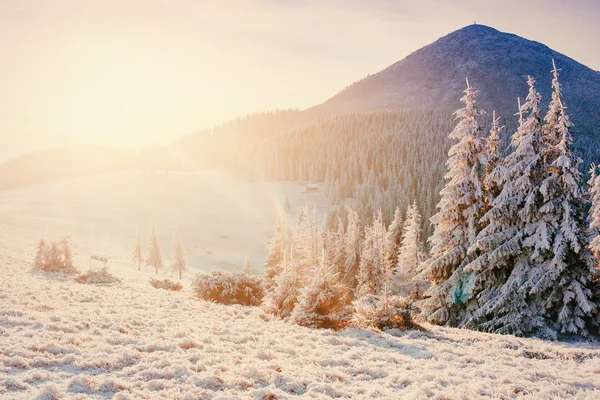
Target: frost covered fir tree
{"x":348,"y":269}
{"x":136,"y":254}
{"x":394,"y":239}
{"x":307,"y":242}
{"x":373,"y":275}
{"x":179,"y":264}
{"x":275,"y":253}
{"x":154,"y":258}
{"x":594,"y":212}
{"x":66,"y":254}
{"x":493,"y":168}
{"x":458,"y":220}
{"x":41,"y":255}
{"x":410,"y":256}
{"x":283,"y":295}
{"x":563,"y":288}
{"x":247,"y":267}
{"x":324,"y":302}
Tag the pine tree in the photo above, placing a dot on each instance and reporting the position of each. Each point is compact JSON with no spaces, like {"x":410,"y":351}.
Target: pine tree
{"x":493,"y":167}
{"x":324,"y":302}
{"x":394,"y":239}
{"x":563,"y":288}
{"x":410,"y":255}
{"x":66,"y":255}
{"x":283,"y":296}
{"x":458,"y":221}
{"x":136,"y":254}
{"x":154,"y":258}
{"x":41,"y":255}
{"x":179,"y":264}
{"x":247,"y":268}
{"x":275,"y":253}
{"x":373,"y":275}
{"x":348,"y":272}
{"x":594,"y":212}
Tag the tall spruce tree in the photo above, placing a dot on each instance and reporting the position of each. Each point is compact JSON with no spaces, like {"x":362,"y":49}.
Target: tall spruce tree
{"x":594,"y":212}
{"x":373,"y":275}
{"x":275,"y":253}
{"x":410,"y":255}
{"x":394,"y":239}
{"x":564,"y":290}
{"x":462,"y":203}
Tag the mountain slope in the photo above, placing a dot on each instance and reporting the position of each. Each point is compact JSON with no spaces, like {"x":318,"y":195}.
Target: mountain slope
{"x":496,"y":63}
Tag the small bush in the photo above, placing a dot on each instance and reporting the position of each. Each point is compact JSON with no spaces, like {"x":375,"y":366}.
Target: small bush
{"x":166,"y":284}
{"x":233,"y":287}
{"x":97,"y":277}
{"x":383,"y":313}
{"x":324,"y":303}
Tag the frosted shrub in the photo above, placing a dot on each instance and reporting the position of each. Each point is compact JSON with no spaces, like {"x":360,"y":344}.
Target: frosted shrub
{"x":98,"y":277}
{"x":382,"y":312}
{"x":284,"y":294}
{"x":324,"y":303}
{"x":229,"y":287}
{"x":55,"y":257}
{"x":166,"y":284}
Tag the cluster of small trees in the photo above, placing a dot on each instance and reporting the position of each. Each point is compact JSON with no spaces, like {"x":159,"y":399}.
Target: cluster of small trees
{"x":55,"y":257}
{"x":154,"y":258}
{"x":322,"y":278}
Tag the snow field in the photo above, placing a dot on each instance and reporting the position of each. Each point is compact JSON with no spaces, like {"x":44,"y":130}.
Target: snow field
{"x":60,"y":339}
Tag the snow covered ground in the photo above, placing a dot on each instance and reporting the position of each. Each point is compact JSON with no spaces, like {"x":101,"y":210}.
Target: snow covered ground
{"x":61,"y":339}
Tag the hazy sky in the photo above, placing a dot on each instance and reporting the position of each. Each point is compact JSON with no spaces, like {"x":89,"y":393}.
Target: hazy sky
{"x":134,"y":72}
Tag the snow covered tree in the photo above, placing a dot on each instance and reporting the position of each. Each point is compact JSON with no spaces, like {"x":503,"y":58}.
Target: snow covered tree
{"x":247,"y":268}
{"x":348,"y":270}
{"x":283,"y":296}
{"x":54,"y":263}
{"x":41,"y":255}
{"x":136,"y":254}
{"x":66,"y":255}
{"x":154,"y":258}
{"x":594,"y":212}
{"x":324,"y":302}
{"x":394,"y":239}
{"x":462,"y":204}
{"x":179,"y":264}
{"x":275,"y":253}
{"x":373,"y":275}
{"x":493,"y":167}
{"x":307,"y":242}
{"x":562,"y":287}
{"x":410,"y":256}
